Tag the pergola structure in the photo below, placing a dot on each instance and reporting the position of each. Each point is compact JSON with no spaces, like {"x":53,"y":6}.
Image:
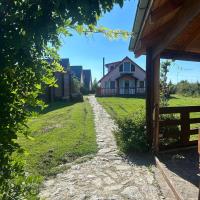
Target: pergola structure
{"x":166,"y":29}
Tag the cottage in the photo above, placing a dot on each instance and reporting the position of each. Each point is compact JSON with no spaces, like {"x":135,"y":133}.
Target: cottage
{"x":63,"y":81}
{"x":84,"y":76}
{"x":124,"y":77}
{"x":77,"y":71}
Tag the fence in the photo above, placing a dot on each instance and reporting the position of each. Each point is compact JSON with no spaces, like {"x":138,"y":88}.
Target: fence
{"x":184,"y":122}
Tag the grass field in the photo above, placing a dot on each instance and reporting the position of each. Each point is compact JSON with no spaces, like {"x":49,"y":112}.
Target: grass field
{"x":121,"y":107}
{"x":62,"y":133}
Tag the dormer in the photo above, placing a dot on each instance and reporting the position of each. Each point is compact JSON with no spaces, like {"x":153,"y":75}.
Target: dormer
{"x":127,"y":67}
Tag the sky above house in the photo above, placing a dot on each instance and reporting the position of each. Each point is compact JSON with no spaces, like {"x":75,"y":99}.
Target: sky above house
{"x":89,"y":51}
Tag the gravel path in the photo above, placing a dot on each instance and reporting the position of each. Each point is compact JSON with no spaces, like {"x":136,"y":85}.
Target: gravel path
{"x":107,"y":175}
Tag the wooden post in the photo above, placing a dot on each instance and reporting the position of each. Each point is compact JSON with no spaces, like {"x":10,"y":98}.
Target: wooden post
{"x":199,"y":158}
{"x":149,"y":96}
{"x":136,"y":86}
{"x":185,"y":127}
{"x":117,"y":88}
{"x":152,"y":98}
{"x":156,"y":119}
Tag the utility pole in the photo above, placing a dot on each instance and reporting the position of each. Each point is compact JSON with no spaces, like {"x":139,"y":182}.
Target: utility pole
{"x":103,"y":66}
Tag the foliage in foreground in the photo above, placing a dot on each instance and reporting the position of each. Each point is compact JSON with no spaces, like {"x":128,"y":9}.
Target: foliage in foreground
{"x":131,"y":134}
{"x":30,"y":32}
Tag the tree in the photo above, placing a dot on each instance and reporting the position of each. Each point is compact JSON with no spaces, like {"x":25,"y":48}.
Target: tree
{"x":172,"y":88}
{"x":164,"y":89}
{"x":30,"y":31}
{"x":94,"y":85}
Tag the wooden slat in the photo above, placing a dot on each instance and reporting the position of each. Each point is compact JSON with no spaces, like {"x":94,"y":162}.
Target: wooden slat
{"x":170,"y":122}
{"x":169,"y":110}
{"x":193,"y":131}
{"x":194,"y":120}
{"x":199,"y":142}
{"x":190,"y":132}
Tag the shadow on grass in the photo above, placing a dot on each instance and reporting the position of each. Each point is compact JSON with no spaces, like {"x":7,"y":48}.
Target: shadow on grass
{"x":55,"y":106}
{"x":174,"y":97}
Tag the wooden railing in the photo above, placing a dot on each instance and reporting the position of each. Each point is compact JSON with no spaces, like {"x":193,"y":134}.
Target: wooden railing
{"x":184,"y":121}
{"x":121,"y":91}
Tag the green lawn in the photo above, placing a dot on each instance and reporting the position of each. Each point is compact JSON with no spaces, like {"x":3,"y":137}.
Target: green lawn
{"x":121,"y":107}
{"x":62,"y":133}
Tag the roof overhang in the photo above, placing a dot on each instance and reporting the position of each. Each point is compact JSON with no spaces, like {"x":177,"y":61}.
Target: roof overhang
{"x":170,"y":27}
{"x":141,"y":13}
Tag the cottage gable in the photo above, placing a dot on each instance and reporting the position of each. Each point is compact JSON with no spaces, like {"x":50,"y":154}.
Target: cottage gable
{"x":124,"y":74}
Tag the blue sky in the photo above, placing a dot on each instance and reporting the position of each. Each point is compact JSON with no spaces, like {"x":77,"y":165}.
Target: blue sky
{"x":89,"y":51}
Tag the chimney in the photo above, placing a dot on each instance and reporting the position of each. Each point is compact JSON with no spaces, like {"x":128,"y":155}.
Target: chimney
{"x":103,"y":66}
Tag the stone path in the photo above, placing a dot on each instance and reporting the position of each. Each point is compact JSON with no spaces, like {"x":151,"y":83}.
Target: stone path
{"x":107,"y":175}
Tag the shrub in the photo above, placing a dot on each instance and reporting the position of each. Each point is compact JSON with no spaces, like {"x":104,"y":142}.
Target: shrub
{"x":168,"y":134}
{"x":131,"y":134}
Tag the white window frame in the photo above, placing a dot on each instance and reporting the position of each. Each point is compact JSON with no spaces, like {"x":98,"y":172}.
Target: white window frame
{"x":129,"y":66}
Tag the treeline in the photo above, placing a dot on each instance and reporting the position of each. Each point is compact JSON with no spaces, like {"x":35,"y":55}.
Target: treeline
{"x":185,"y":88}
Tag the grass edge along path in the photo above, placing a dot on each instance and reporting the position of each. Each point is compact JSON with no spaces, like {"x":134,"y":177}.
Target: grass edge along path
{"x":61,"y":134}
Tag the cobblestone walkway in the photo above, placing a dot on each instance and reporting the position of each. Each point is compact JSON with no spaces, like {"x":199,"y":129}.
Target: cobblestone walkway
{"x":107,"y":175}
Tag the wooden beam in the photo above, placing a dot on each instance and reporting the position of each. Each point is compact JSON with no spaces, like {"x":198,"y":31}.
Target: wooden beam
{"x":179,"y":109}
{"x":166,"y":8}
{"x":167,"y":179}
{"x":189,"y":10}
{"x":180,"y":55}
{"x":194,"y":34}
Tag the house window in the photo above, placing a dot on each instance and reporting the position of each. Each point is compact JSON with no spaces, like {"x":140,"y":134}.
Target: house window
{"x":107,"y":85}
{"x":127,"y":67}
{"x":121,"y":68}
{"x":141,"y":84}
{"x":112,"y":84}
{"x":111,"y":68}
{"x":132,"y":67}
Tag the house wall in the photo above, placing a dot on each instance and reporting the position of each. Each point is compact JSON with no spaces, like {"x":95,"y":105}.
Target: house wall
{"x":114,"y":74}
{"x":58,"y":91}
{"x":61,"y":92}
{"x":67,"y":86}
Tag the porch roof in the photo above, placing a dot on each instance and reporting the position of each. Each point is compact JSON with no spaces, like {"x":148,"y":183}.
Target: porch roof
{"x":126,"y":75}
{"x":170,"y":27}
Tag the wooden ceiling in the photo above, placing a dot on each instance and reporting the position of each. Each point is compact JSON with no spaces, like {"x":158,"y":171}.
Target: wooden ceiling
{"x":171,"y":26}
